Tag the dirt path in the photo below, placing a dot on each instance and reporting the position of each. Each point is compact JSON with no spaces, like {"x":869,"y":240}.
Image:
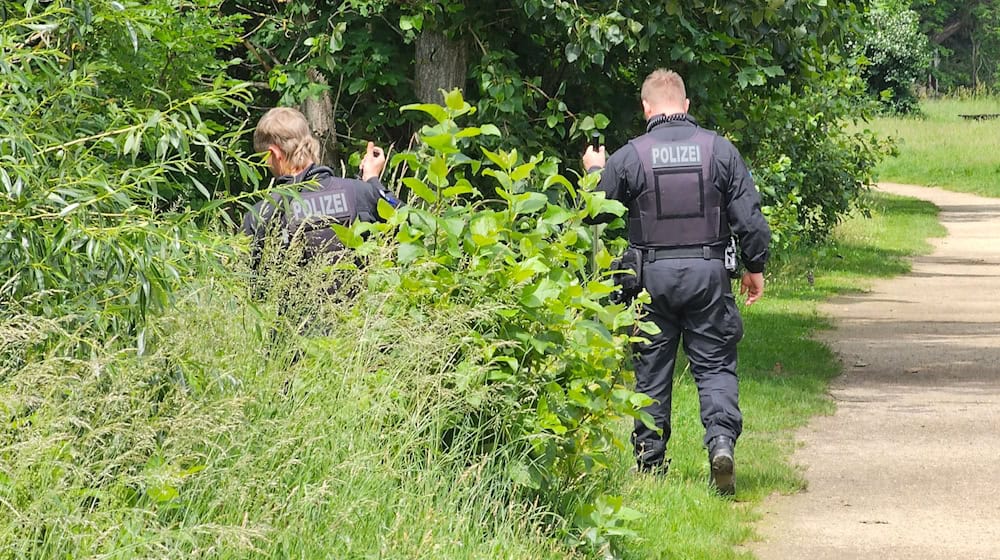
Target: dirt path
{"x":907,"y":468}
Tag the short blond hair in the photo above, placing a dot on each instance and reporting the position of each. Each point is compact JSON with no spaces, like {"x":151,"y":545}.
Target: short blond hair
{"x":663,"y":87}
{"x":287,"y":129}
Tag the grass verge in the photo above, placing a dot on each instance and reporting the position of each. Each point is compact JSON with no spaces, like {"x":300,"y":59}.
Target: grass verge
{"x":942,"y":149}
{"x":784,"y":377}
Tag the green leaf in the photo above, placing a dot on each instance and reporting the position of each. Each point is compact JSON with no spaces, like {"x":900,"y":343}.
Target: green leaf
{"x":624,"y":319}
{"x":537,"y":294}
{"x":437,"y":171}
{"x":527,"y":203}
{"x":444,"y":143}
{"x":409,"y":252}
{"x":469,"y":132}
{"x":573,"y":52}
{"x":69,"y":209}
{"x":503,"y":160}
{"x":559,"y":179}
{"x":649,"y":327}
{"x":454,"y":100}
{"x":603,"y":259}
{"x":420,"y":189}
{"x":483,"y":230}
{"x":462,"y":186}
{"x":336,"y":41}
{"x":163,"y":493}
{"x":385,"y":210}
{"x":490,"y":130}
{"x":347,"y":236}
{"x":522,"y":171}
{"x":435,"y":111}
{"x":526,"y":270}
{"x":201,"y":188}
{"x":520,"y":474}
{"x":556,"y":215}
{"x":599,"y":288}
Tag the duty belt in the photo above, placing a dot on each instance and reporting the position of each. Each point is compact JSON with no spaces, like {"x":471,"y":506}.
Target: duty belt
{"x":706,"y":252}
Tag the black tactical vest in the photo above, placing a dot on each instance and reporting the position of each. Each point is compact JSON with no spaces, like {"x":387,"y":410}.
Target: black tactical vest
{"x":308,"y":217}
{"x":680,"y":205}
{"x":312,"y":216}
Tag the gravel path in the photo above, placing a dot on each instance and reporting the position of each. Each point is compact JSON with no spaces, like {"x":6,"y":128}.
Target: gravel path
{"x":907,"y":468}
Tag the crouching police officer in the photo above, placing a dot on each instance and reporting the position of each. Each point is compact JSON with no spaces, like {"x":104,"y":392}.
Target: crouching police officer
{"x":325,"y":199}
{"x":687,"y":191}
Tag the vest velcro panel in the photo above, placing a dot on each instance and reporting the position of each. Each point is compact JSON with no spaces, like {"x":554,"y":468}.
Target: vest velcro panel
{"x":679,"y":205}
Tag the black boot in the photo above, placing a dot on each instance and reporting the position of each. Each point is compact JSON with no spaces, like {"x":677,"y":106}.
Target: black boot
{"x":722,"y":465}
{"x":658,"y":469}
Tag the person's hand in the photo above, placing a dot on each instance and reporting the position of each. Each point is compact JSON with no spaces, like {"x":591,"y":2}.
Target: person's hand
{"x":594,"y":158}
{"x":752,"y":286}
{"x":373,"y":163}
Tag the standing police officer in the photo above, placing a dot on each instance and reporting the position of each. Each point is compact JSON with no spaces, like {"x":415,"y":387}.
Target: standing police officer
{"x":292,"y":154}
{"x":687,"y":191}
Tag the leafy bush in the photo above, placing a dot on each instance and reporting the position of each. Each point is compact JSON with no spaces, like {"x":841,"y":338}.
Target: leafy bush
{"x":898,"y":54}
{"x":549,"y":352}
{"x":819,"y":167}
{"x":107,"y":183}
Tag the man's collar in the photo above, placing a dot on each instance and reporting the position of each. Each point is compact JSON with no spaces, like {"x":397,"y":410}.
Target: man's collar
{"x":657,"y":120}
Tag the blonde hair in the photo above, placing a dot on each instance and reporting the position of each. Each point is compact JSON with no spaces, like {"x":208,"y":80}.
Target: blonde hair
{"x":663,"y":87}
{"x":287,"y":129}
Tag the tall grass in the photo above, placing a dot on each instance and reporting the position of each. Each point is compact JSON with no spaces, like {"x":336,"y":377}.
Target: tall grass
{"x":245,"y":434}
{"x":942,"y":149}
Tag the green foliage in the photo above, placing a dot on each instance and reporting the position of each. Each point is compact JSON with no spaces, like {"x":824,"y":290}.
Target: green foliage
{"x":549,"y":73}
{"x":208,"y":446}
{"x":808,"y":189}
{"x":106,"y":185}
{"x":966,"y":39}
{"x":549,"y":350}
{"x":897,"y":55}
{"x":474,"y":384}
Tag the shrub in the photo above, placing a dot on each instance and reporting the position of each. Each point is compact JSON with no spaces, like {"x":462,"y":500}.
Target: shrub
{"x":107,"y":184}
{"x":898,"y":54}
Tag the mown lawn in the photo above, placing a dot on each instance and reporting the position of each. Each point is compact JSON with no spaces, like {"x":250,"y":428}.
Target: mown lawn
{"x":941,"y":149}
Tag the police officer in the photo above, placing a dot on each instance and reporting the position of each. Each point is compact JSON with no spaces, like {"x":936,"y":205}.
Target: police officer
{"x":687,"y":191}
{"x":292,"y":154}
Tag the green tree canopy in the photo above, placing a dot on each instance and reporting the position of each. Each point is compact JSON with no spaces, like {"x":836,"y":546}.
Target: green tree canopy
{"x":966,"y":36}
{"x":777,"y":77}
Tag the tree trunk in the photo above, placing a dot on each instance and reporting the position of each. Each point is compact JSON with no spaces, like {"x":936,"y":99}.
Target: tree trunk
{"x":975,"y":64}
{"x":441,"y":63}
{"x":319,"y":113}
{"x":950,"y":29}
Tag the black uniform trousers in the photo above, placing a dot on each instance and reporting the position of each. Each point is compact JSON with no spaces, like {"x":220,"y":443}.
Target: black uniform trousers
{"x":692,"y":301}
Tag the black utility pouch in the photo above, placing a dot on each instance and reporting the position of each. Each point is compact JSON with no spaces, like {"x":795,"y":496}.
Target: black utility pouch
{"x":628,"y":277}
